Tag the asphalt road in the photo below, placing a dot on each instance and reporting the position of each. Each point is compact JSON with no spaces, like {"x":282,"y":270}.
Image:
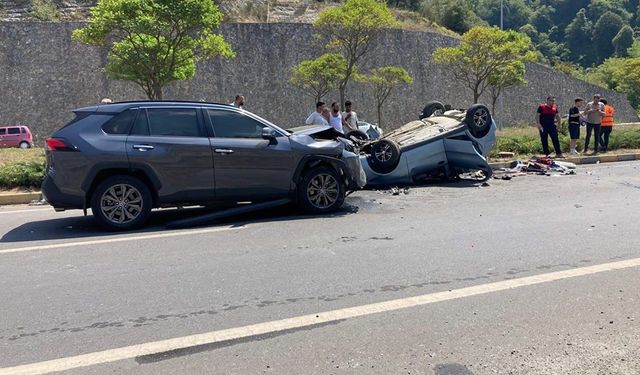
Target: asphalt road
{"x":536,"y":275}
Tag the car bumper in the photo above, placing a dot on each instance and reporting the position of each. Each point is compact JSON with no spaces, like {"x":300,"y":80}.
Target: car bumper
{"x":58,"y":199}
{"x":356,"y":176}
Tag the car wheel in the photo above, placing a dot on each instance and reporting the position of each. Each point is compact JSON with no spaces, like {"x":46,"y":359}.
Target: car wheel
{"x":432,"y":108}
{"x":385,"y":156}
{"x":24,"y":145}
{"x":321,"y":191}
{"x":121,"y":203}
{"x":478,"y":119}
{"x":357,"y":134}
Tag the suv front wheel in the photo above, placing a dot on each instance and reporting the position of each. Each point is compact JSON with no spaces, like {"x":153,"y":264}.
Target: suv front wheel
{"x":121,"y":202}
{"x":321,"y":191}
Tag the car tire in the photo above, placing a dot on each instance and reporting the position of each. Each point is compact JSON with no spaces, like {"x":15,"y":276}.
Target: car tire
{"x":432,"y":108}
{"x":478,"y":120}
{"x":357,"y":134}
{"x":321,"y":191}
{"x":121,"y":203}
{"x":385,"y":156}
{"x":24,"y":145}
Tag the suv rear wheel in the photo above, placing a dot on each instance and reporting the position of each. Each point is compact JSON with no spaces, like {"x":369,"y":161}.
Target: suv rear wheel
{"x":121,"y":202}
{"x":321,"y":191}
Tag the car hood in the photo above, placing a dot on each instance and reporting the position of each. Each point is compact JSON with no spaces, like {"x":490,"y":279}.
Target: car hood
{"x":321,"y":139}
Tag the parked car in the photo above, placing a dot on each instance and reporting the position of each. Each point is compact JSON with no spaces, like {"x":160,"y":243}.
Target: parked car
{"x":442,"y":143}
{"x":15,"y":136}
{"x":124,"y":159}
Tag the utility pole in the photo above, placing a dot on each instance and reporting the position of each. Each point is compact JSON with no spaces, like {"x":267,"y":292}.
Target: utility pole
{"x":501,"y":98}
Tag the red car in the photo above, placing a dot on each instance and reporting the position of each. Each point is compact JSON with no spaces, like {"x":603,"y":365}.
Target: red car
{"x":15,"y":136}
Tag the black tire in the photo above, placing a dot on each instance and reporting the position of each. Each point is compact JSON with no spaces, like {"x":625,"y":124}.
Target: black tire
{"x":478,"y":120}
{"x":121,"y":203}
{"x":385,"y":156}
{"x":357,"y":134}
{"x":321,"y":191}
{"x":432,"y":108}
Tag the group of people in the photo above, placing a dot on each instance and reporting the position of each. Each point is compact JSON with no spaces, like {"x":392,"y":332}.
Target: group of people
{"x":596,"y":114}
{"x":344,"y":122}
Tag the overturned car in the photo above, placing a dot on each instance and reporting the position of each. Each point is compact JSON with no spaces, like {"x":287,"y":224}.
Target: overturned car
{"x":442,"y":143}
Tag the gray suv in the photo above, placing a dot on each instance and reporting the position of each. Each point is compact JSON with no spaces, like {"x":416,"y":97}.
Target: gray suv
{"x":124,"y":159}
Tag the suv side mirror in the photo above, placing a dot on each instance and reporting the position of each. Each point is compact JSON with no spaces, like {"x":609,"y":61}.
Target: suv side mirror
{"x":268,"y":133}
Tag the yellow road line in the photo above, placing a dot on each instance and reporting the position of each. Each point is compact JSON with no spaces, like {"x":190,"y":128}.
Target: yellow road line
{"x":157,"y":347}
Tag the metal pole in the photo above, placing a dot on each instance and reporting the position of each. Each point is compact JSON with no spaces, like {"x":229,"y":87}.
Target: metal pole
{"x":501,"y":98}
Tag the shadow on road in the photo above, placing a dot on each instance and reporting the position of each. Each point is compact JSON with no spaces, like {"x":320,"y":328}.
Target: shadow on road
{"x":78,"y":227}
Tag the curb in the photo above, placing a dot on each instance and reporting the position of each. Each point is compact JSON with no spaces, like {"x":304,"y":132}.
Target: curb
{"x":583,"y":160}
{"x":19,"y":198}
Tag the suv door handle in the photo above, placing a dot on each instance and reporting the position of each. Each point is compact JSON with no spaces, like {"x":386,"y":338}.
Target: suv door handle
{"x":223,"y":151}
{"x":143,"y":147}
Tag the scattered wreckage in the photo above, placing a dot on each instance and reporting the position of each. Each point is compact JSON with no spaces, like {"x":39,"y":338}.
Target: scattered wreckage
{"x":442,"y":143}
{"x":541,"y":166}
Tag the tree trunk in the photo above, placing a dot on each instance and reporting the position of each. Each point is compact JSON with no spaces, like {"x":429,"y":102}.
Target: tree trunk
{"x":380,"y":115}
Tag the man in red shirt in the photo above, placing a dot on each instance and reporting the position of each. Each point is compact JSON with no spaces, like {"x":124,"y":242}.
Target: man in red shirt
{"x":546,"y":123}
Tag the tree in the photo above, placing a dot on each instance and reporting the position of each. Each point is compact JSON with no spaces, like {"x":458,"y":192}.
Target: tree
{"x":508,"y":75}
{"x":620,"y":74}
{"x":352,"y":29}
{"x":597,"y":8}
{"x":455,"y":15}
{"x":577,"y":38}
{"x":623,"y":41}
{"x":482,"y":52}
{"x":607,"y":27}
{"x":541,"y":18}
{"x":383,"y":81}
{"x":319,"y":76}
{"x":516,"y":13}
{"x":155,"y":42}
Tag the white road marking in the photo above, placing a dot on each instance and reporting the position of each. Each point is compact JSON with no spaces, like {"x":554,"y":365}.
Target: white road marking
{"x":121,"y":239}
{"x":156,"y":347}
{"x":50,"y":209}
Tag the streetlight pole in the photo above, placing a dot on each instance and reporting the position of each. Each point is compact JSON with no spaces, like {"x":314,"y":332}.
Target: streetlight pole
{"x":501,"y":98}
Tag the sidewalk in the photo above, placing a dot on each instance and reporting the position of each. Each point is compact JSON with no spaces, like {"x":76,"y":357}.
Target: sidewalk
{"x":588,"y":159}
{"x":17,"y":196}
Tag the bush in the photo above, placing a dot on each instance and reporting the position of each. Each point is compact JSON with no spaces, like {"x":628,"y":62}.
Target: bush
{"x":45,"y":10}
{"x":22,"y":174}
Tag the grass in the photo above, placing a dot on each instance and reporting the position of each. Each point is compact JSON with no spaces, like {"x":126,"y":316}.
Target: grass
{"x":525,"y":141}
{"x":21,"y":168}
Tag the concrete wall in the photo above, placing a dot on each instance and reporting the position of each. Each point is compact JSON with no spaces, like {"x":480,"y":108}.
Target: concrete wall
{"x":44,"y":76}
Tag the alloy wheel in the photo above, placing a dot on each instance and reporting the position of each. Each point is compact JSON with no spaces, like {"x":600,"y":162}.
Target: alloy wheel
{"x":121,"y":203}
{"x":323,"y":190}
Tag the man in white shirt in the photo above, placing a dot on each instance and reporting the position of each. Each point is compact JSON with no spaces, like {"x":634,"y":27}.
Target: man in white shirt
{"x":335,"y":117}
{"x":349,"y":118}
{"x":316,"y":117}
{"x":239,"y":102}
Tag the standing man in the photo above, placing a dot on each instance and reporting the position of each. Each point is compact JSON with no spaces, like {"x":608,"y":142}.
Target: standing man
{"x":607,"y":125}
{"x":335,"y":117}
{"x":545,"y":122}
{"x":574,"y":125}
{"x":594,"y":112}
{"x":239,"y":102}
{"x":349,"y":118}
{"x":316,"y":117}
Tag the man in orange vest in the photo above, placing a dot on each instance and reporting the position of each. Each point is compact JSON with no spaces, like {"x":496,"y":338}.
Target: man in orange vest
{"x":607,"y":125}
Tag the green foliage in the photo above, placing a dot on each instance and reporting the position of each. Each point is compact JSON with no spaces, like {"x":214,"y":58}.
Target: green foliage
{"x":481,"y":54}
{"x":455,"y":15}
{"x":578,"y":39}
{"x":516,"y":13}
{"x":623,"y":41}
{"x":44,"y":10}
{"x":21,"y":168}
{"x":634,"y":51}
{"x":607,"y":27}
{"x":352,"y":29}
{"x":383,"y":81}
{"x":597,"y":8}
{"x":319,"y":76}
{"x":155,"y":42}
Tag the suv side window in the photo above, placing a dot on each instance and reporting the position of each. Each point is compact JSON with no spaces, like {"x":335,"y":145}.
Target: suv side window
{"x":121,"y":123}
{"x":227,"y":124}
{"x":177,"y":122}
{"x":14,"y":131}
{"x":3,"y":131}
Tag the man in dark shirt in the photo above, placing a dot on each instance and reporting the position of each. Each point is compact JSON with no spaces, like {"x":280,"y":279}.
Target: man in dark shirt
{"x":574,"y":125}
{"x":545,"y":122}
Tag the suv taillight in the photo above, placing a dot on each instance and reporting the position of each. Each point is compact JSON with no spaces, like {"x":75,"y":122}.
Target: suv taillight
{"x":59,"y":144}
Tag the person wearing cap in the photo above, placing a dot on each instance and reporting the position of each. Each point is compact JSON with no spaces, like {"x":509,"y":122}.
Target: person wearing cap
{"x":546,"y":123}
{"x":607,"y":124}
{"x":594,"y":112}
